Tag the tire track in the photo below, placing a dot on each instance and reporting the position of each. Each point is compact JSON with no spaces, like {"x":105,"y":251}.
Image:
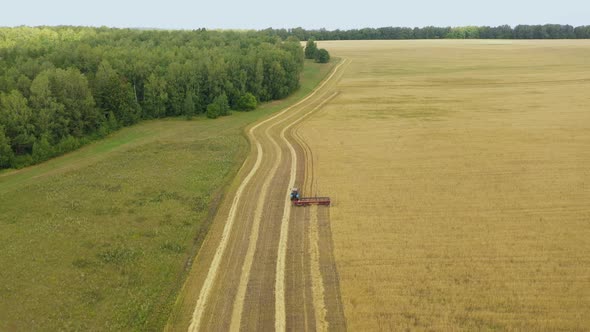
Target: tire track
{"x":309,"y":159}
{"x":335,"y":309}
{"x":317,"y":282}
{"x":328,"y":309}
{"x":314,"y":239}
{"x":313,"y":250}
{"x":280,"y":314}
{"x":298,"y":296}
{"x":213,"y":270}
{"x":220,"y":251}
{"x":327,"y":302}
{"x":253,"y":240}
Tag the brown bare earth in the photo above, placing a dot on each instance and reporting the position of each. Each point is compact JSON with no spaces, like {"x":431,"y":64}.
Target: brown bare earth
{"x":460,"y":179}
{"x":258,"y":245}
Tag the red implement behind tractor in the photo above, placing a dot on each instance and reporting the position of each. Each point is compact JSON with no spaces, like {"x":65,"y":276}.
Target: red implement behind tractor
{"x":306,"y":201}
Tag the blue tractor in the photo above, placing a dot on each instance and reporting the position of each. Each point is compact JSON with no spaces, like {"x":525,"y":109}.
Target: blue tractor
{"x":295,"y":194}
{"x":306,"y":201}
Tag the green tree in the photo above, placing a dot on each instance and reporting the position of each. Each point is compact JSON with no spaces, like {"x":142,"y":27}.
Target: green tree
{"x":112,"y":123}
{"x":16,"y":117}
{"x":189,"y":105}
{"x":156,"y":97}
{"x":247,"y":102}
{"x":223,"y":104}
{"x":293,"y":46}
{"x":114,"y":94}
{"x":277,"y":82}
{"x":219,"y":107}
{"x":6,"y":153}
{"x":24,"y":84}
{"x":42,"y":150}
{"x":48,"y":112}
{"x":258,"y":85}
{"x":70,"y":85}
{"x":176,"y":88}
{"x":311,"y":49}
{"x":213,"y":111}
{"x":67,"y":144}
{"x":77,"y":114}
{"x":322,"y":56}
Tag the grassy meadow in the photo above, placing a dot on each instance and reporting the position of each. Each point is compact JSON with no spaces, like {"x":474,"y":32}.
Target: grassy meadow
{"x":99,"y":239}
{"x":460,"y":181}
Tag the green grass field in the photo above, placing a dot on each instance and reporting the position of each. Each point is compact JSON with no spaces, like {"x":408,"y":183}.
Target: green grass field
{"x":99,"y":239}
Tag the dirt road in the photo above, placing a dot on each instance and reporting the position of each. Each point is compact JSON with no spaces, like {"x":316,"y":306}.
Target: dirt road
{"x":265,"y":265}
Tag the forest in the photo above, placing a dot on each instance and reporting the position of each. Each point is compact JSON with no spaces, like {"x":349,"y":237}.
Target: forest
{"x":546,"y":31}
{"x":61,"y":87}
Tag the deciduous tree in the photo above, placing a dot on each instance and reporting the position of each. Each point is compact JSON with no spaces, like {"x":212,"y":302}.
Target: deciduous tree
{"x":322,"y":56}
{"x":189,"y":105}
{"x":6,"y":153}
{"x":247,"y":102}
{"x":219,"y":107}
{"x":311,"y":49}
{"x":61,"y":87}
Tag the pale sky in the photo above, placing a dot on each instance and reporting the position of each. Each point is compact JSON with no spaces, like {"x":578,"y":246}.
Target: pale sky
{"x":260,"y":14}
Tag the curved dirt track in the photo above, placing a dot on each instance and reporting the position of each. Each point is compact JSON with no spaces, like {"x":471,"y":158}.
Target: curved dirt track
{"x":264,"y":265}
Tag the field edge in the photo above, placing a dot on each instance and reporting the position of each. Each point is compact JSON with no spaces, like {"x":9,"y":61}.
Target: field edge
{"x":232,"y":181}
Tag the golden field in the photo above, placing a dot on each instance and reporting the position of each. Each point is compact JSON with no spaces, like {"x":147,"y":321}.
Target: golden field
{"x":460,"y":178}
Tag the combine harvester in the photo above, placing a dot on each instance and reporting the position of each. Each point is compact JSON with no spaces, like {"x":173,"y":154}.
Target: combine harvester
{"x":306,"y":201}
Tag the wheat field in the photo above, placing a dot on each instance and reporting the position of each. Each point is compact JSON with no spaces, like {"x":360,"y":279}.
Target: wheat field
{"x":459,"y":173}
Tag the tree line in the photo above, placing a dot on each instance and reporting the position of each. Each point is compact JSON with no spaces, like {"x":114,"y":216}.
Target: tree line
{"x":546,"y":31}
{"x":61,"y":87}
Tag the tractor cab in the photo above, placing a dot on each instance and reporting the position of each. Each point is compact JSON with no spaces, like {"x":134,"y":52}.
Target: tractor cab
{"x":294,"y":194}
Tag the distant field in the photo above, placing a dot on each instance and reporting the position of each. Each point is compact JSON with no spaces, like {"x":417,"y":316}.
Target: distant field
{"x":99,"y":239}
{"x":460,"y":179}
